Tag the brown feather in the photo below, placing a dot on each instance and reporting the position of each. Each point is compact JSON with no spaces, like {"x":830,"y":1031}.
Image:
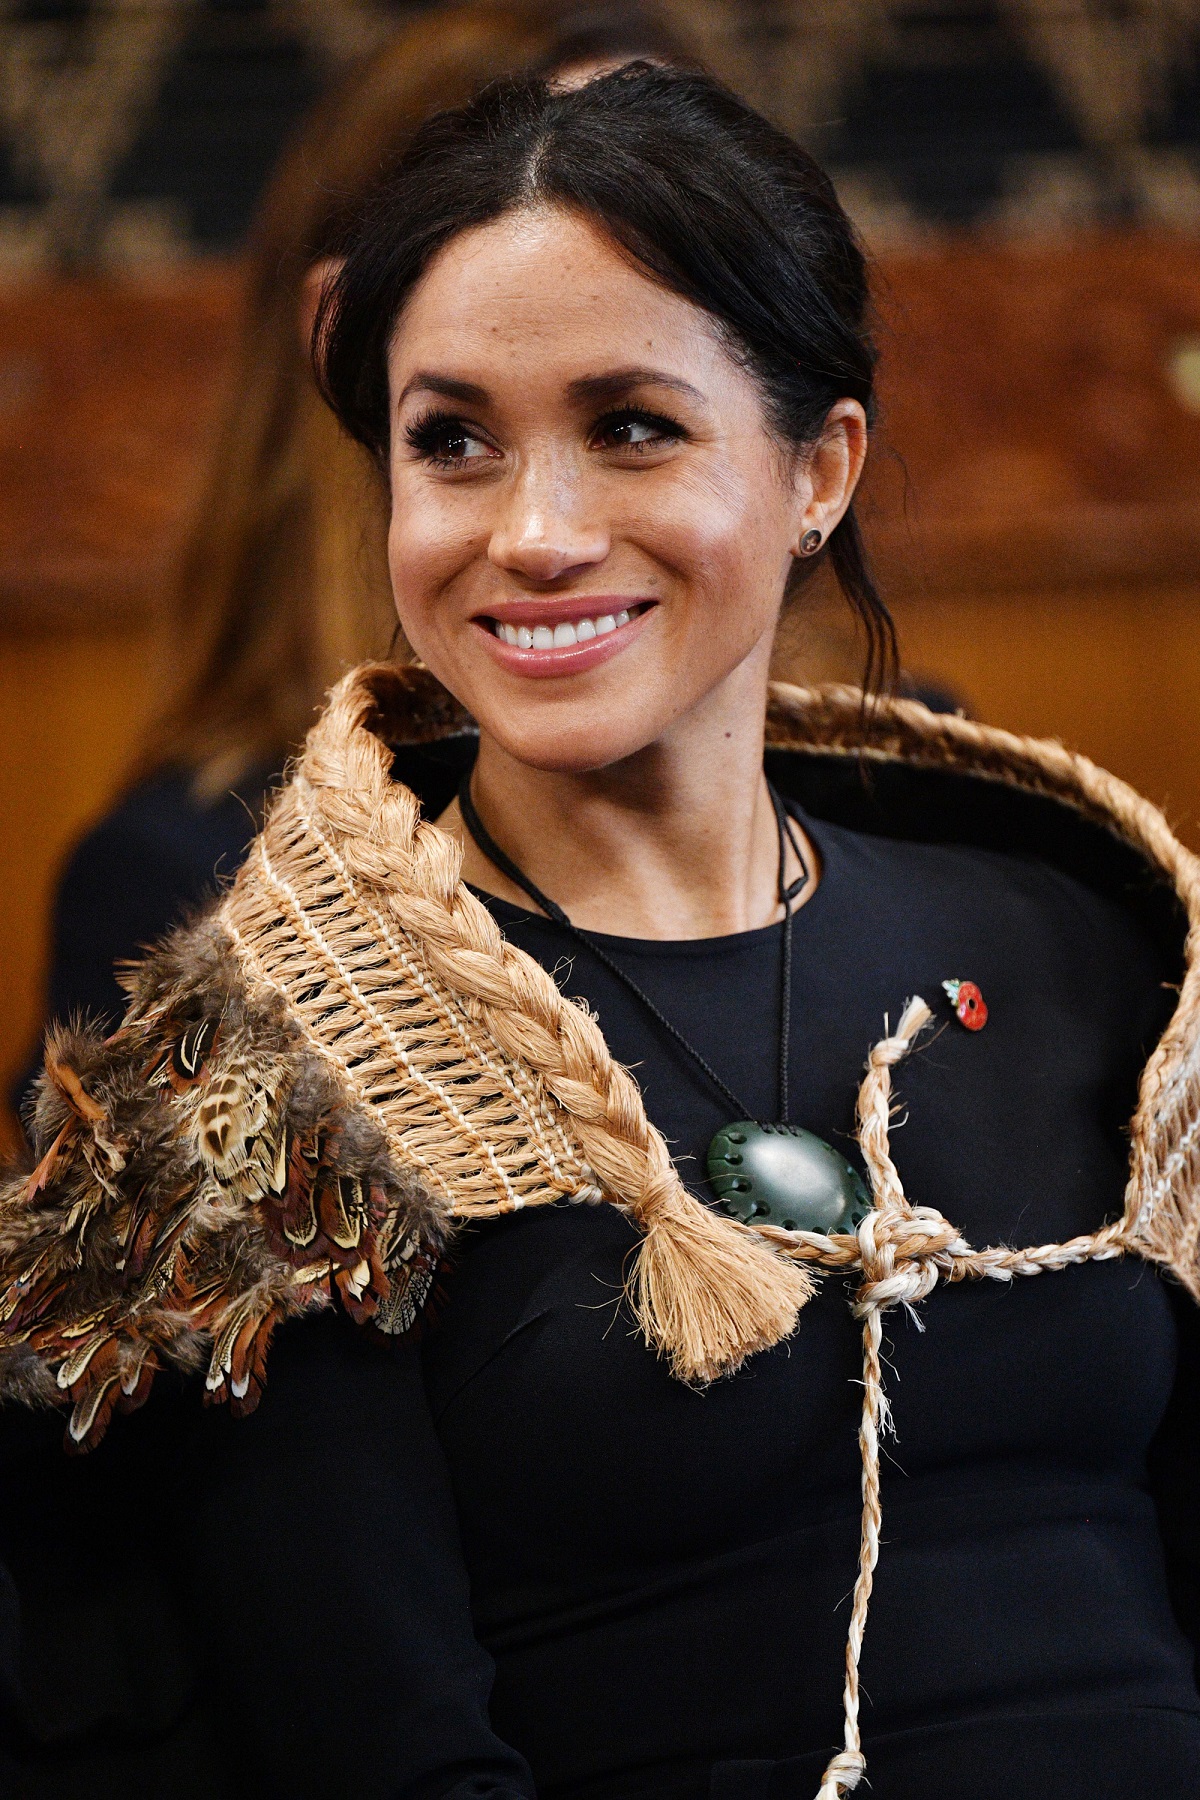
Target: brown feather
{"x":248,"y":1364}
{"x":341,"y":1205}
{"x":92,"y":1377}
{"x":137,"y":1381}
{"x":354,"y":1286}
{"x":410,"y":1277}
{"x":188,"y":1056}
{"x":48,"y":1167}
{"x":139,"y":1235}
{"x":232,"y":1113}
{"x":293,"y":1221}
{"x":32,"y":1295}
{"x":91,"y":1415}
{"x":73,"y":1091}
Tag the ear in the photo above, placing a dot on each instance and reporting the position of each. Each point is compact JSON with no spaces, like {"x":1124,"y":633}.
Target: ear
{"x":316,"y":279}
{"x":832,"y":469}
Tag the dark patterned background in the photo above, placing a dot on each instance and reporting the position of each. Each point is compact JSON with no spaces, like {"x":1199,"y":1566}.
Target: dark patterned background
{"x":141,"y":130}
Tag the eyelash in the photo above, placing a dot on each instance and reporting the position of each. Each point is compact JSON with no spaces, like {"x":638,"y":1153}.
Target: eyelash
{"x":663,"y":427}
{"x":435,"y":427}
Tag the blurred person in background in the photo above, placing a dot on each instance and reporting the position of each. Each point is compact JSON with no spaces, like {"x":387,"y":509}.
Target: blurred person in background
{"x":284,"y":582}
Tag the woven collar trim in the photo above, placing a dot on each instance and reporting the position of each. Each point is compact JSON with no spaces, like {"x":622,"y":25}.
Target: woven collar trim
{"x":345,"y":830}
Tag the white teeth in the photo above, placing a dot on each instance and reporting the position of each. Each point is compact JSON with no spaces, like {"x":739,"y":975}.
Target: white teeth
{"x":561,"y":636}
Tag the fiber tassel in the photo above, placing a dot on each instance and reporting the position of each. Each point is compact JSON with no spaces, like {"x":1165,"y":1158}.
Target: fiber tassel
{"x":707,"y":1293}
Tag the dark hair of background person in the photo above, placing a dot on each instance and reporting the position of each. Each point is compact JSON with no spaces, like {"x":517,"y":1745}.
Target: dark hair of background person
{"x":284,"y":583}
{"x":703,"y":193}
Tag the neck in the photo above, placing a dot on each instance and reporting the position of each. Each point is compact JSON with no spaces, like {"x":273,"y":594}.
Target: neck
{"x":677,"y":841}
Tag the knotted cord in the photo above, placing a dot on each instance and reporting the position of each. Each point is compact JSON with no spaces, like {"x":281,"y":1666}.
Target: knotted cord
{"x":901,"y":1251}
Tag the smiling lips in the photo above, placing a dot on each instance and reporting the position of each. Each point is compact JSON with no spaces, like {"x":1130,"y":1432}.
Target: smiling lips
{"x":558,"y":637}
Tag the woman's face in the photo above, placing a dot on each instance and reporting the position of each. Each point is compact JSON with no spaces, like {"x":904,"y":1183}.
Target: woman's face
{"x":591,"y":523}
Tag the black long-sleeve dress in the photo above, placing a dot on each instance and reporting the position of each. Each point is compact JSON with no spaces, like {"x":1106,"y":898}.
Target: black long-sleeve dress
{"x":520,"y":1559}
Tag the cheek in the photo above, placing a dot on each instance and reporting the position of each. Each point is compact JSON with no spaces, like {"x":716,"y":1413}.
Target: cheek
{"x":430,"y":540}
{"x":728,"y":531}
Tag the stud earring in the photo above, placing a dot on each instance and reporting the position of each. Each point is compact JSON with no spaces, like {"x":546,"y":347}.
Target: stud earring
{"x":811,"y":542}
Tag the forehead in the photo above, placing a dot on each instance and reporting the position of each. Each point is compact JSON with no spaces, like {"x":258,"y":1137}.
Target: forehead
{"x":543,"y":284}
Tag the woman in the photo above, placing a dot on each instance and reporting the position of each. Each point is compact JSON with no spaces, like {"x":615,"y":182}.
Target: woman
{"x":610,"y":1526}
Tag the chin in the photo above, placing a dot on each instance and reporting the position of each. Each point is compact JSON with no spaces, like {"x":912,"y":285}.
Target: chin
{"x":569,"y":745}
{"x":570,"y":726}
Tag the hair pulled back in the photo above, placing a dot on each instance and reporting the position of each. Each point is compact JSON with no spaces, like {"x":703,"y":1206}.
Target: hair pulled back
{"x":708,"y":197}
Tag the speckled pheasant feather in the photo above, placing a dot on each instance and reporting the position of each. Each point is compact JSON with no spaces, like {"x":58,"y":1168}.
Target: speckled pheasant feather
{"x":203,"y":1175}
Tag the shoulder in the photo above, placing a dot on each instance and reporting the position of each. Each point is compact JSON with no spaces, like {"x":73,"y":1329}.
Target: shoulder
{"x":988,"y":875}
{"x":1011,"y":911}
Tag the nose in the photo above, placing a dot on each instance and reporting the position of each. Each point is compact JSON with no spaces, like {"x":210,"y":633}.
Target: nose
{"x":543,"y":531}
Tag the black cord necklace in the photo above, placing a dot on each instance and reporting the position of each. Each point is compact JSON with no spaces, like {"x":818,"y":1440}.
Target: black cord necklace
{"x":775,"y":1173}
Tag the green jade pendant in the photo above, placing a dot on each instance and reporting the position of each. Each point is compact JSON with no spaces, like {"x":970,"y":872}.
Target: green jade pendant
{"x":783,"y":1175}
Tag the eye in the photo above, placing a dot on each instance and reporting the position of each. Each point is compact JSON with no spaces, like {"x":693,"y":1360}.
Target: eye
{"x":447,"y":442}
{"x":633,"y":429}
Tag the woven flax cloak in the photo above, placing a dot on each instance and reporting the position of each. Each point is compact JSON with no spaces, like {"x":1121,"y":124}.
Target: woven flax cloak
{"x":319,"y":1079}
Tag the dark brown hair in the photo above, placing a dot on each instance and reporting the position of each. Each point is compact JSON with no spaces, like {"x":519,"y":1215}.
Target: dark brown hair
{"x":701,"y":191}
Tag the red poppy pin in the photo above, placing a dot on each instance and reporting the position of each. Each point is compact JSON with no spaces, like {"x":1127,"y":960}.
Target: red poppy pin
{"x":970,"y":1007}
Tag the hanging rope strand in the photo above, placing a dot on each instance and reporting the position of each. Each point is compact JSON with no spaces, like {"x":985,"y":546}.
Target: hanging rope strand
{"x":877,"y":1259}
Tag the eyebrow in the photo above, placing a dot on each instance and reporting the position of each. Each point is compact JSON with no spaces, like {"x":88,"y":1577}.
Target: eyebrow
{"x":589,"y":387}
{"x":428,"y":381}
{"x":608,"y":387}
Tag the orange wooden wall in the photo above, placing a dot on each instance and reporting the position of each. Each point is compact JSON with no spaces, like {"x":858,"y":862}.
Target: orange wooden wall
{"x":71,"y":707}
